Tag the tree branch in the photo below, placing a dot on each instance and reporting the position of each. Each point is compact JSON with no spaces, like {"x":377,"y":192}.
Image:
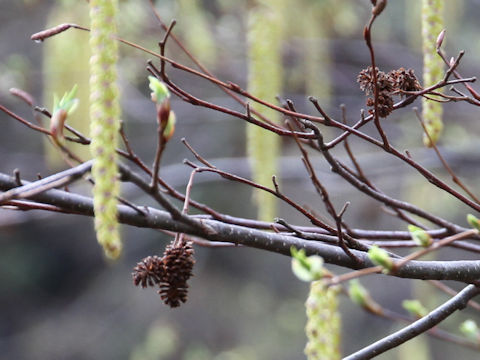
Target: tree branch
{"x":463,"y":270}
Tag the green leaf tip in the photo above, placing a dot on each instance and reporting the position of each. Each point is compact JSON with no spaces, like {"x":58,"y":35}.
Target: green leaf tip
{"x":307,"y":268}
{"x":68,"y":102}
{"x":420,"y":236}
{"x":380,"y":257}
{"x":415,"y":308}
{"x":473,"y":221}
{"x":160,"y":91}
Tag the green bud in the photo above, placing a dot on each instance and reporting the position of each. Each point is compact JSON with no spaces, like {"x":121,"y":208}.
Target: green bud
{"x":307,"y":268}
{"x":415,"y":308}
{"x":420,"y":236}
{"x":470,"y":329}
{"x":159,"y":90}
{"x":380,"y":257}
{"x":360,"y":296}
{"x":473,"y":221}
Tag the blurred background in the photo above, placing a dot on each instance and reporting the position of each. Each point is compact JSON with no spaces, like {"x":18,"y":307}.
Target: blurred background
{"x":61,"y":300}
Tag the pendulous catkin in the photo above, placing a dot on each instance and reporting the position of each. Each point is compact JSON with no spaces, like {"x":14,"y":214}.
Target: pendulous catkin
{"x":105,"y":123}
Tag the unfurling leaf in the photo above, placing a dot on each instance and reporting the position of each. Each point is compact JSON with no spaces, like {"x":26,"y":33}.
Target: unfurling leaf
{"x":159,"y":90}
{"x":61,"y":110}
{"x":307,"y":268}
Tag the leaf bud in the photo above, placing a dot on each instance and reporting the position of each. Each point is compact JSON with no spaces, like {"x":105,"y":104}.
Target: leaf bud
{"x":473,"y":221}
{"x":420,"y":236}
{"x":415,"y":308}
{"x":380,"y":257}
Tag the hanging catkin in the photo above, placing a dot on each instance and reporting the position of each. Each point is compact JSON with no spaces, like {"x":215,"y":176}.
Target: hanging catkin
{"x":432,"y":25}
{"x":105,"y":122}
{"x":265,"y":76}
{"x":323,"y":322}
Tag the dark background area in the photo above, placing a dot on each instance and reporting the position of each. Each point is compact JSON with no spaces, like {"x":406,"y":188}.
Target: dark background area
{"x":60,"y":299}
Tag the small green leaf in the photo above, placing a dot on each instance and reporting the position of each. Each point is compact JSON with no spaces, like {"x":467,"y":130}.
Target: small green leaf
{"x":473,"y":221}
{"x":380,"y":257}
{"x":420,"y":236}
{"x":159,"y":90}
{"x":415,"y":308}
{"x":307,"y":268}
{"x":470,"y":329}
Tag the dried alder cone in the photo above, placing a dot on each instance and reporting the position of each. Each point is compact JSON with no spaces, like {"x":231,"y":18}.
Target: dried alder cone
{"x":170,"y":273}
{"x":148,"y":272}
{"x":178,"y":264}
{"x":395,"y":82}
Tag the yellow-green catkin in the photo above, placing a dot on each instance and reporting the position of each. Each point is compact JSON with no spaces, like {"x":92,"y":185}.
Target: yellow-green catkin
{"x":65,"y":63}
{"x":432,"y":25}
{"x":265,"y":75}
{"x":317,"y":55}
{"x":323,"y":322}
{"x":105,"y":123}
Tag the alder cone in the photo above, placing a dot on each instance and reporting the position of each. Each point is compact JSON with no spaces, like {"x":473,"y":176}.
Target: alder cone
{"x":178,"y":264}
{"x":148,"y":272}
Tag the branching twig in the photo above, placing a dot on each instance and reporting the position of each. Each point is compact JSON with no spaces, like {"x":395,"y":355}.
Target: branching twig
{"x":54,"y":181}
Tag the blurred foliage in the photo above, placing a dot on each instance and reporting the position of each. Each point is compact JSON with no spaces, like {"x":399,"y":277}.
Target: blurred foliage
{"x":161,"y":342}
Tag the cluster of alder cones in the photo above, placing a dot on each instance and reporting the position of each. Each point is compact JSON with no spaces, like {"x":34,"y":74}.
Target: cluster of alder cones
{"x":170,"y":272}
{"x":395,"y":82}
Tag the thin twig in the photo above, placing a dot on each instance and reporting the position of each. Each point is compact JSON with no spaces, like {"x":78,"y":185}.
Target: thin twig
{"x":57,"y":180}
{"x":454,"y":177}
{"x":435,"y":246}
